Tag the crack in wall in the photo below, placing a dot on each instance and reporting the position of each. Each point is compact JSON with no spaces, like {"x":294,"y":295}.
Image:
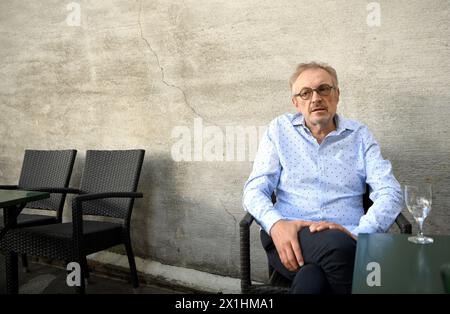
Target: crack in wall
{"x":230,"y":261}
{"x":230,"y":214}
{"x":161,"y":69}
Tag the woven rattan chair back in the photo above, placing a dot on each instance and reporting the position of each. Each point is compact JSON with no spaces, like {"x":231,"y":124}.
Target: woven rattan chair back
{"x":111,"y":171}
{"x":47,"y":169}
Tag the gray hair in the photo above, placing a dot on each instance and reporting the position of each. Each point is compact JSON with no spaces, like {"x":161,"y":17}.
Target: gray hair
{"x":313,"y":65}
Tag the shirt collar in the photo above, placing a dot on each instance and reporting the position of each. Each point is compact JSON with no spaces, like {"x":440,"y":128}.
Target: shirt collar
{"x":298,"y":119}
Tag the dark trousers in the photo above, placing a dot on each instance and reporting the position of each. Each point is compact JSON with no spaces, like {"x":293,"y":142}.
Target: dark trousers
{"x":329,"y":259}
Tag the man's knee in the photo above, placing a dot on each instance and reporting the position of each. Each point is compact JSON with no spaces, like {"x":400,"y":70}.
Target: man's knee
{"x":326,"y":243}
{"x":340,"y":241}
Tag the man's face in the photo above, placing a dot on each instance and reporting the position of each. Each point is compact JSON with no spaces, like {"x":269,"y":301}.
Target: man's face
{"x":318,"y":110}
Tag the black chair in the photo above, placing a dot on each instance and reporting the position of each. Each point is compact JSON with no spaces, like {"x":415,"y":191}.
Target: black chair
{"x":277,"y":283}
{"x":48,"y":169}
{"x":108,"y":188}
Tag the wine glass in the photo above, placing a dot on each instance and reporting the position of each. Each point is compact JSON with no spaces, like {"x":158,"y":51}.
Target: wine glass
{"x":418,"y":201}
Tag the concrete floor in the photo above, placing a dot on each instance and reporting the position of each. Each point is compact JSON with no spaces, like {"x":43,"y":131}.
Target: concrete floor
{"x":45,"y":279}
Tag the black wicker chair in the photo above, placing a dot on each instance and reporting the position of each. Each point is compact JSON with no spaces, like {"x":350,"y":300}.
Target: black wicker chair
{"x":108,"y":188}
{"x":48,"y":169}
{"x":278,"y":284}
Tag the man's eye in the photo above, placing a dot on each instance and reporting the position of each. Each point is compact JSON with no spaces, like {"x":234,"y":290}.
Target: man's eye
{"x":304,"y":93}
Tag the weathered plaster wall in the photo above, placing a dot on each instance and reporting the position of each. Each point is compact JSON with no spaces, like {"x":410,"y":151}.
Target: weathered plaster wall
{"x":132,"y":71}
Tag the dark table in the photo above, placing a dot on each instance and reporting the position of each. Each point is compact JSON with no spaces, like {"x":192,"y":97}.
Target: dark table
{"x":404,"y":267}
{"x":12,"y":202}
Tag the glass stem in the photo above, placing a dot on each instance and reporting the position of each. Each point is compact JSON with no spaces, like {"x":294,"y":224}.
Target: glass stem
{"x":420,"y":233}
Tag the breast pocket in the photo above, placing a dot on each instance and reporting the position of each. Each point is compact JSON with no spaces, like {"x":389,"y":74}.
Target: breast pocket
{"x":345,"y":169}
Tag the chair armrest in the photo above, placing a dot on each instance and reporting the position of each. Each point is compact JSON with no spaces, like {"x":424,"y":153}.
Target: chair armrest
{"x":77,"y":209}
{"x":403,"y":224}
{"x":9,"y":187}
{"x":77,"y":202}
{"x":56,"y":190}
{"x":246,"y":221}
{"x":244,"y":227}
{"x":96,"y":196}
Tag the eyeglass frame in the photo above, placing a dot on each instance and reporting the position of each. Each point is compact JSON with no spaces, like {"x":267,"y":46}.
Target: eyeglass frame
{"x":314,"y":89}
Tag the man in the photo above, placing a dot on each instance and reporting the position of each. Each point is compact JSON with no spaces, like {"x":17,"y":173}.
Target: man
{"x":318,"y":163}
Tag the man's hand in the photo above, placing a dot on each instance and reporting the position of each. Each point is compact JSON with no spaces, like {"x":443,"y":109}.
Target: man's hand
{"x":323,"y":225}
{"x":284,"y":234}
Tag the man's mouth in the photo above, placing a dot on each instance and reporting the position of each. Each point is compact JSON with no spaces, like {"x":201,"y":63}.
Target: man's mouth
{"x":319,"y":110}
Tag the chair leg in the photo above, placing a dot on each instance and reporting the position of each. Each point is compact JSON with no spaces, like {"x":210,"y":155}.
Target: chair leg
{"x":12,"y":276}
{"x":24,"y":263}
{"x":84,"y":265}
{"x":270,"y":269}
{"x":131,"y":261}
{"x":82,"y":288}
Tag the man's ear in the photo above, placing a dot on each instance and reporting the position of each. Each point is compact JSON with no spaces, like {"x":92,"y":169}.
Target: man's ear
{"x":338,"y":93}
{"x":295,"y":102}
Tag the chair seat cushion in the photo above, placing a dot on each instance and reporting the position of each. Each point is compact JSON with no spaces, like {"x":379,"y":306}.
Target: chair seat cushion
{"x":28,"y":220}
{"x":44,"y":240}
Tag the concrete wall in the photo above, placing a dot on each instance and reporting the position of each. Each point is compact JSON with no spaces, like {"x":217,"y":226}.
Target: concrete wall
{"x":134,"y":71}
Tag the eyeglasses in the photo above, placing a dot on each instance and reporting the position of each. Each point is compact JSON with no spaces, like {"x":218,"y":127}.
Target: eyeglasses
{"x":322,"y":90}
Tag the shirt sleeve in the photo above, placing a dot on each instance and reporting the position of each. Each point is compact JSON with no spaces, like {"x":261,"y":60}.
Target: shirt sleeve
{"x":385,"y":191}
{"x":262,"y":181}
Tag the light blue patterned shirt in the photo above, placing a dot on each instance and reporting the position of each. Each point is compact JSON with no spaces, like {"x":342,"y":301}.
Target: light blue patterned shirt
{"x":326,"y":181}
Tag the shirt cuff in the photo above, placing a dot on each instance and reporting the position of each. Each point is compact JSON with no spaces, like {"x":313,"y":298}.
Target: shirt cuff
{"x":362,"y":229}
{"x":269,"y":219}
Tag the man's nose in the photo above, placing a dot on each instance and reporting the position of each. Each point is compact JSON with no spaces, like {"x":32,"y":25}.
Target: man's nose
{"x":315,"y":97}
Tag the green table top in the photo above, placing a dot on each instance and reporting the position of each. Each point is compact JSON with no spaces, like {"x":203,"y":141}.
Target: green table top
{"x":14,"y":197}
{"x":404,"y":267}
